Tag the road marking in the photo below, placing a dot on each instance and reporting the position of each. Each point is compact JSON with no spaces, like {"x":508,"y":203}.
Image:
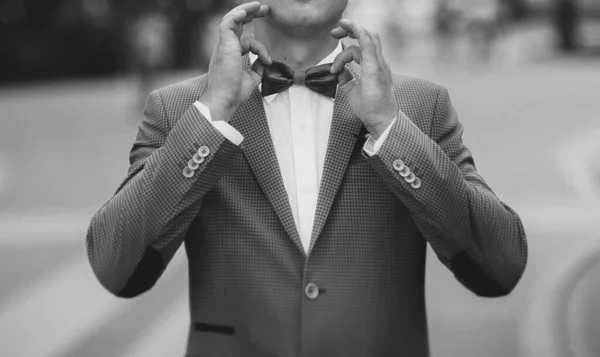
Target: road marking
{"x":59,"y":310}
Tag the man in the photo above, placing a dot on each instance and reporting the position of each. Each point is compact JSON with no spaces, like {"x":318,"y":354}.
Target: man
{"x":304,"y":237}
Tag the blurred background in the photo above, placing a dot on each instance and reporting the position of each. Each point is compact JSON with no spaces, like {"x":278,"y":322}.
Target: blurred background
{"x":524,"y":76}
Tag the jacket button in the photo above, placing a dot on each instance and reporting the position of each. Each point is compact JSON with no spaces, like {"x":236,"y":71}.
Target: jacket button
{"x":311,"y":291}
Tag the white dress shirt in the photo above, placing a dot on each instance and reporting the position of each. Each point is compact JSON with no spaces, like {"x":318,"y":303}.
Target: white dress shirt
{"x":299,"y":122}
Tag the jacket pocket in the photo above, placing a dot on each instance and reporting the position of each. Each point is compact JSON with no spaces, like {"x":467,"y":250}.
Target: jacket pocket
{"x":218,"y":329}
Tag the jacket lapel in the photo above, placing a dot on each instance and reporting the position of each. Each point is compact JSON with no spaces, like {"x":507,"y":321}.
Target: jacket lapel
{"x":345,"y":129}
{"x":251,"y":121}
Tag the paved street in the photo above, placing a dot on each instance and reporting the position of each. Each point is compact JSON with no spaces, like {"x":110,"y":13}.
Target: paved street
{"x":533,"y":129}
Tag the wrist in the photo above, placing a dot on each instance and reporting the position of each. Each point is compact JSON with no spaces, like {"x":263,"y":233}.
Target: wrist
{"x":377,"y":130}
{"x":219,"y":110}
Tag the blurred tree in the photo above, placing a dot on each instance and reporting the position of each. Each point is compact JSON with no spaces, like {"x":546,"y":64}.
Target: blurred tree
{"x":566,"y":18}
{"x":55,"y":38}
{"x":518,"y":8}
{"x":44,"y":39}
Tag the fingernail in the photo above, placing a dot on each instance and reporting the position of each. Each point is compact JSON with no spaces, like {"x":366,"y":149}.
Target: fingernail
{"x":332,"y":68}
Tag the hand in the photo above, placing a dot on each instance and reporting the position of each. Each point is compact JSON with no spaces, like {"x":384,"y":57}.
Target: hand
{"x":372,"y":99}
{"x":228,"y":85}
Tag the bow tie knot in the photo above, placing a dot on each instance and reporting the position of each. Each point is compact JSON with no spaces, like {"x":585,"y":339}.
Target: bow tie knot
{"x":299,"y":78}
{"x":279,"y":77}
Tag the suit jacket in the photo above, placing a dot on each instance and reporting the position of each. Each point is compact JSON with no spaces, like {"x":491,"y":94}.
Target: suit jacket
{"x":253,"y":290}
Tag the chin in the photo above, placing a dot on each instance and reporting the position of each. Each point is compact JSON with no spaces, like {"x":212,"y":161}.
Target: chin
{"x":306,"y":14}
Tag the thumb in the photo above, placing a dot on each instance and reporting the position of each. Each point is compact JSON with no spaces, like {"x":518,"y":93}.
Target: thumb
{"x":252,"y":78}
{"x":346,"y":80}
{"x":256,"y":73}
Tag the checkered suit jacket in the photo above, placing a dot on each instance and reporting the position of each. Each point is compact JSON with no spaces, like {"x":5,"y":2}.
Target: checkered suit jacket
{"x":253,"y":291}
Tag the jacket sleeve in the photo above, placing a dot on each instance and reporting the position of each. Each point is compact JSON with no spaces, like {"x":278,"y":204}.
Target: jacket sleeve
{"x":473,"y":233}
{"x":134,"y":235}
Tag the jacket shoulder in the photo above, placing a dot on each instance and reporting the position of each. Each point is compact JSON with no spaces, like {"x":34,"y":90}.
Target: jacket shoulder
{"x":184,"y":91}
{"x":413,"y":87}
{"x":417,"y":98}
{"x":178,"y":97}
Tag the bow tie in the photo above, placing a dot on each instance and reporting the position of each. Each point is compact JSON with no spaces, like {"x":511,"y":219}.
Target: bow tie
{"x":279,"y":77}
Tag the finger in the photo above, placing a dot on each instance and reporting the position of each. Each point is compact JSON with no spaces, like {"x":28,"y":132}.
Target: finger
{"x":378,"y":51}
{"x":348,"y":55}
{"x":250,"y":8}
{"x":250,"y":44}
{"x":380,"y":55}
{"x":377,"y":42}
{"x":346,"y":81}
{"x":232,"y":21}
{"x":339,"y":33}
{"x":213,"y":58}
{"x":243,"y":14}
{"x":364,"y":40}
{"x":378,"y":48}
{"x":256,"y":73}
{"x":264,"y":10}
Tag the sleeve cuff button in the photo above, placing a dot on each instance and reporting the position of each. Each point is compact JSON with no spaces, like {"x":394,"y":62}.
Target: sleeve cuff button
{"x":193,"y":165}
{"x":203,"y":151}
{"x":198,"y":159}
{"x":399,"y":165}
{"x":417,"y":184}
{"x":188,"y":173}
{"x":405,"y":172}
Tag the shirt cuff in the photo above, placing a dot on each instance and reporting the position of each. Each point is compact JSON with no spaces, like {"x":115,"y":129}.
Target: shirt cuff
{"x":372,"y":146}
{"x":229,"y":132}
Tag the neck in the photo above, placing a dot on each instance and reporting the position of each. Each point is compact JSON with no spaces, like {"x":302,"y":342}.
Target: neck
{"x":300,"y":52}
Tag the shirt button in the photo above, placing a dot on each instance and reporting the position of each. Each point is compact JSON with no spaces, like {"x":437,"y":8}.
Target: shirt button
{"x":306,"y":190}
{"x":311,"y":291}
{"x":303,"y":128}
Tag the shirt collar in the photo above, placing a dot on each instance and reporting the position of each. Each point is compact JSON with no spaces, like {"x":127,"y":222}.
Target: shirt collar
{"x":329,"y":59}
